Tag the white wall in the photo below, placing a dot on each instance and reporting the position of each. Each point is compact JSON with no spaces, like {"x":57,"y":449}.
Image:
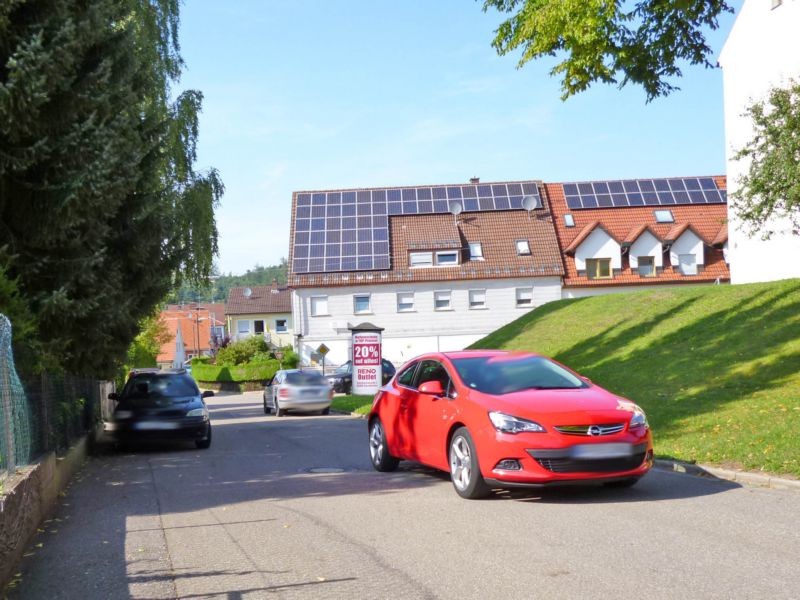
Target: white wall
{"x":688,"y":243}
{"x":646,"y":245}
{"x":602,"y":291}
{"x":408,"y":334}
{"x":762,"y":51}
{"x":598,"y":245}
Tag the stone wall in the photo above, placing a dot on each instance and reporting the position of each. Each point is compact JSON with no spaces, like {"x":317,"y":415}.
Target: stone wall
{"x":28,"y":499}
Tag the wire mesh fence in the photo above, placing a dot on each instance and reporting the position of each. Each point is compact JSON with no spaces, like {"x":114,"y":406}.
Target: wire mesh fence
{"x":41,"y":413}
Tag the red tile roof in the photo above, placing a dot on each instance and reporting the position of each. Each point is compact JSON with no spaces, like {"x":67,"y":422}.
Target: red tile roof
{"x":547,"y":233}
{"x":721,"y":237}
{"x":497,"y":231}
{"x":263,"y":299}
{"x":621,"y":223}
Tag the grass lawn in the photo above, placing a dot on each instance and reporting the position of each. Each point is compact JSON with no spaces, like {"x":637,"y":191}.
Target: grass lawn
{"x":716,"y":368}
{"x":352,"y":404}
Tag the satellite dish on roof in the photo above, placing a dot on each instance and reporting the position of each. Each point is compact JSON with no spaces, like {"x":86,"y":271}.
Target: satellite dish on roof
{"x":455,"y":209}
{"x":531,"y":202}
{"x":247,"y":292}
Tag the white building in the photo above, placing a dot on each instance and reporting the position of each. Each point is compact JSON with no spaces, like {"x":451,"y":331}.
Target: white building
{"x":396,"y":258}
{"x":432,"y":280}
{"x":762,"y":52}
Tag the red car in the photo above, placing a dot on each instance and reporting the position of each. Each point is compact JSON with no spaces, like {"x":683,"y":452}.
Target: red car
{"x":499,"y":419}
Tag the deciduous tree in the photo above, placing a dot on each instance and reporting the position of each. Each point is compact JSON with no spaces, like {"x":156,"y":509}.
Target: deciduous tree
{"x":610,"y":41}
{"x":770,"y":190}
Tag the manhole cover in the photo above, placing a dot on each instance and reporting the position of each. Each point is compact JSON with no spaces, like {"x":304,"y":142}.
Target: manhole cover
{"x":326,"y":470}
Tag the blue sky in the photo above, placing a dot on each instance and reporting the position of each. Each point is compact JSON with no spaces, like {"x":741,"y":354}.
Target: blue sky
{"x":324,"y":94}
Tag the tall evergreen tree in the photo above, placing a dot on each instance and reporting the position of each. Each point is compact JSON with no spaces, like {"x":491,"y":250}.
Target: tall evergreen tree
{"x":101,"y":210}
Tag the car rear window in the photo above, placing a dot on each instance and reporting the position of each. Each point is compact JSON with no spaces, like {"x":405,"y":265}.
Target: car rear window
{"x":148,"y":385}
{"x":509,"y":374}
{"x":305,"y":378}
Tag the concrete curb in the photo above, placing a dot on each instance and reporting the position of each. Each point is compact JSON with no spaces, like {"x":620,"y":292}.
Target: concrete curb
{"x":764,"y":480}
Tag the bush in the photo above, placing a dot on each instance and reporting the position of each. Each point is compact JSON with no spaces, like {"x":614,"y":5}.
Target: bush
{"x":239,"y":353}
{"x":250,"y":372}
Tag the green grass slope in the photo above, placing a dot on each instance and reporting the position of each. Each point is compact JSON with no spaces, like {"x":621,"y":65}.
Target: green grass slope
{"x":716,"y":368}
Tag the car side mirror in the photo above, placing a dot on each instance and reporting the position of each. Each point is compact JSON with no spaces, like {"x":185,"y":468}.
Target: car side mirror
{"x":208,"y":393}
{"x":432,"y":388}
{"x":114,"y":396}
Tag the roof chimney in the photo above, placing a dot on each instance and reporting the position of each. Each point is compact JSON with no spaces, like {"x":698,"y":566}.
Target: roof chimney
{"x":474,"y":180}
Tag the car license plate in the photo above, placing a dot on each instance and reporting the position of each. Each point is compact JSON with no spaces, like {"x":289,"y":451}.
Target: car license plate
{"x":154,"y":425}
{"x":591,"y":451}
{"x":312,"y":393}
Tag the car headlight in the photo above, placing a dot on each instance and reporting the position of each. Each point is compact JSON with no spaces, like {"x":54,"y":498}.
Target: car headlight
{"x":123,"y":414}
{"x":508,"y":424}
{"x":638,"y":419}
{"x":198,"y":412}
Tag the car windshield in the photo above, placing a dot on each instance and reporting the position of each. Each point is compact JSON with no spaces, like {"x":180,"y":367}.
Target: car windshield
{"x":151,"y":385}
{"x":344,"y":369}
{"x":305,"y":378}
{"x":509,"y":374}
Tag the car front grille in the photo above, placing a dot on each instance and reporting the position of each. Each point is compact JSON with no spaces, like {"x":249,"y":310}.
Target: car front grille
{"x":593,"y":430}
{"x":560,"y":461}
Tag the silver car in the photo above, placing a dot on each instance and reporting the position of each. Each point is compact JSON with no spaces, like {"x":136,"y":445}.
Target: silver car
{"x":296,"y":390}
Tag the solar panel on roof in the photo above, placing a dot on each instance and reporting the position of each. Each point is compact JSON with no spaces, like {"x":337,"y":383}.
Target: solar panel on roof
{"x":359,"y":220}
{"x":641,"y":192}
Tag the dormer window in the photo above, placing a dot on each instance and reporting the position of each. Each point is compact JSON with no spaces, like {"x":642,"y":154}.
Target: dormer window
{"x":664,"y":216}
{"x":420,"y":259}
{"x":523,"y":248}
{"x":447,"y":258}
{"x":475,"y":251}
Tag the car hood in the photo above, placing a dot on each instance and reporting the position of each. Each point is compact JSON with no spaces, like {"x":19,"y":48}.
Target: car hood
{"x":584,"y":406}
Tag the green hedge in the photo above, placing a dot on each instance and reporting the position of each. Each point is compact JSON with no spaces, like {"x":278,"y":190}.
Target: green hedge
{"x":247,"y":372}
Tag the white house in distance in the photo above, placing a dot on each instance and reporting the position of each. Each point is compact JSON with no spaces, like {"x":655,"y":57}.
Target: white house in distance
{"x":762,"y":51}
{"x":440,"y":280}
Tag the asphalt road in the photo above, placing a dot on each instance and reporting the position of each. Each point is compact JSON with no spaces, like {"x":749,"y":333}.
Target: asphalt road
{"x":291,"y":508}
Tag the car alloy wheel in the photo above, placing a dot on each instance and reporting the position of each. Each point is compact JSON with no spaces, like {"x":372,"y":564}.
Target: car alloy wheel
{"x":378,"y":450}
{"x":464,"y":468}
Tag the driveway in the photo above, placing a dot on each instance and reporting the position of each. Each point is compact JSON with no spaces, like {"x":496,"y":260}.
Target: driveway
{"x":291,"y":508}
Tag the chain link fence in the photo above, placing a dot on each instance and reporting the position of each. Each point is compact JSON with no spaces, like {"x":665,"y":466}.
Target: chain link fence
{"x":42,"y":413}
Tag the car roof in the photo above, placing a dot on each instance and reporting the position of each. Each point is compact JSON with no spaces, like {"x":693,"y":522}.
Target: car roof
{"x":157,"y":372}
{"x":486,"y":353}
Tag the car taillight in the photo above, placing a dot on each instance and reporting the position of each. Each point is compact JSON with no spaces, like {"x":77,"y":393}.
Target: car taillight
{"x":283,"y":393}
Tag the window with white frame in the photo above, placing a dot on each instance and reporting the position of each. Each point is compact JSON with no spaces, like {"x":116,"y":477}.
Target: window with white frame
{"x":441,"y":300}
{"x":664,"y":216}
{"x":524,"y":297}
{"x":361,"y":304}
{"x":242,"y":326}
{"x":477,"y":299}
{"x":281,"y":326}
{"x":447,"y":258}
{"x":420,"y":259}
{"x":319,"y":306}
{"x":405,"y":301}
{"x":687,"y":263}
{"x":475,"y":251}
{"x":647,"y":266}
{"x":523,"y":247}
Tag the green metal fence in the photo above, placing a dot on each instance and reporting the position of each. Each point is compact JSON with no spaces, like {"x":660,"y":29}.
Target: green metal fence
{"x":41,"y":413}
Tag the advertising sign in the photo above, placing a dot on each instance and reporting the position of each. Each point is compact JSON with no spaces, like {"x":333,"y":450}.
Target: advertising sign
{"x":367,"y":372}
